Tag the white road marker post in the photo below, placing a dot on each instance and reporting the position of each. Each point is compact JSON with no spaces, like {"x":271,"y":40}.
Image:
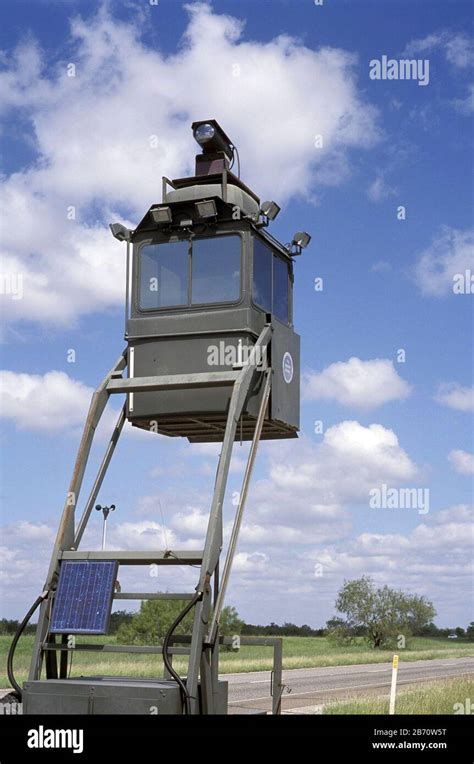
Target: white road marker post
{"x":393,"y":688}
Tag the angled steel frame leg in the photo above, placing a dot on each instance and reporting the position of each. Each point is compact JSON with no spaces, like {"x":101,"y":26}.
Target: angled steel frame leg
{"x":213,"y":543}
{"x":100,"y":477}
{"x":65,"y":535}
{"x":240,"y":510}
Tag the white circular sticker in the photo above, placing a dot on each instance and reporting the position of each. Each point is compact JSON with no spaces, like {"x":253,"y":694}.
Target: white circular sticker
{"x":287,"y":366}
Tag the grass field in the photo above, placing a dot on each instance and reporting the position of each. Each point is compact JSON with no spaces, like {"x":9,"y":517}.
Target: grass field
{"x":298,"y":652}
{"x":437,"y":697}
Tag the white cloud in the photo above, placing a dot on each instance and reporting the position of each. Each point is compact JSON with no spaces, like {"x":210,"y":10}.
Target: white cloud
{"x":456,"y":396}
{"x":466,"y":105}
{"x":417,"y":561}
{"x":457,"y":48}
{"x":237,"y":463}
{"x":48,"y":402}
{"x":191,"y":520}
{"x":54,"y":402}
{"x":462,"y":461}
{"x":379,"y":189}
{"x":450,"y":253}
{"x":308,"y":530}
{"x":309,"y":486}
{"x":146,"y":534}
{"x":459,"y":513}
{"x":363,"y":384}
{"x":460,"y":51}
{"x":451,"y":529}
{"x":303,"y":499}
{"x":26,"y":531}
{"x":422,"y":44}
{"x":249,"y":563}
{"x":93,"y":135}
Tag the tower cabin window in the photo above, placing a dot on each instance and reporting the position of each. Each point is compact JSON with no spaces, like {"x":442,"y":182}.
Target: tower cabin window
{"x":270,"y":281}
{"x":187,"y":273}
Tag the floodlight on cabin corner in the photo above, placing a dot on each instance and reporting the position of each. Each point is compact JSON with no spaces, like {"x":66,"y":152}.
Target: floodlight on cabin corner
{"x":270,"y":210}
{"x":206,"y":209}
{"x":161,"y":215}
{"x":120,"y":232}
{"x":212,"y":138}
{"x":299,"y":242}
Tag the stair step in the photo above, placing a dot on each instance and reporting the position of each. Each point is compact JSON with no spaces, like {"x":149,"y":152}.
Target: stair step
{"x":185,"y":557}
{"x":153,"y":595}
{"x":172,"y":382}
{"x":96,"y":648}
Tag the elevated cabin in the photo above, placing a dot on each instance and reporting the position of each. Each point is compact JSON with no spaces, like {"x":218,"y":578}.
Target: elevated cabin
{"x":206,"y":277}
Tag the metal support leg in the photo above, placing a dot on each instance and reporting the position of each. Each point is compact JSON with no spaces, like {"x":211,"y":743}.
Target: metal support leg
{"x":65,"y":534}
{"x":215,"y":647}
{"x":277,"y":684}
{"x":100,"y":477}
{"x":213,"y":544}
{"x":207,"y":695}
{"x":240,"y":510}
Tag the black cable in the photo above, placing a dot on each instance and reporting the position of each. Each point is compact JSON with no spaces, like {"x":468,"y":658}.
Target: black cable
{"x":182,"y":686}
{"x":11,"y":676}
{"x":235,"y":153}
{"x":63,"y":660}
{"x":169,"y":553}
{"x":70,"y":664}
{"x":51,"y":661}
{"x":238,"y":161}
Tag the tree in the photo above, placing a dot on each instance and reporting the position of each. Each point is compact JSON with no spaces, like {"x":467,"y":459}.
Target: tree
{"x":151,"y":624}
{"x":230,"y":623}
{"x":335,"y":623}
{"x":338,"y":632}
{"x":118,"y":618}
{"x":470,"y":631}
{"x":419,"y":612}
{"x":10,"y":626}
{"x":382,"y":613}
{"x":430,"y":630}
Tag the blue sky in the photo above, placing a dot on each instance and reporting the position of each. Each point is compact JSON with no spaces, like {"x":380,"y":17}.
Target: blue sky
{"x":290,"y":72}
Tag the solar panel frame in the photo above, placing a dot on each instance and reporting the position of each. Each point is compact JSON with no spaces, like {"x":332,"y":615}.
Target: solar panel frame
{"x":84,"y":597}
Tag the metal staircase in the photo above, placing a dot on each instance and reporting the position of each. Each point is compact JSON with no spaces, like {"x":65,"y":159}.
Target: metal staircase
{"x":200,"y":690}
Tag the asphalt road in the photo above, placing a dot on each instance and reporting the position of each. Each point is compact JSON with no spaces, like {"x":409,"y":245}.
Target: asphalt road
{"x":312,"y":687}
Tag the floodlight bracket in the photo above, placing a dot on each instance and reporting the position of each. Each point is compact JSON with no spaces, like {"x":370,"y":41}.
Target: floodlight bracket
{"x":120,"y":232}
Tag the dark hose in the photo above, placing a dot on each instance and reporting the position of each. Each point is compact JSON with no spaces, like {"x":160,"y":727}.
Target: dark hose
{"x":166,"y":658}
{"x":11,"y":677}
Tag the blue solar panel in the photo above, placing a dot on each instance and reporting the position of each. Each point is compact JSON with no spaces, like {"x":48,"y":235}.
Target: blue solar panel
{"x":83,"y":600}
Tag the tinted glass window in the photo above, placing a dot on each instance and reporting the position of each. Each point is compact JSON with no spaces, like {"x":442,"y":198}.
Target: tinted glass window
{"x":280,"y":289}
{"x":164,"y":270}
{"x":216,"y":269}
{"x":262,"y":275}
